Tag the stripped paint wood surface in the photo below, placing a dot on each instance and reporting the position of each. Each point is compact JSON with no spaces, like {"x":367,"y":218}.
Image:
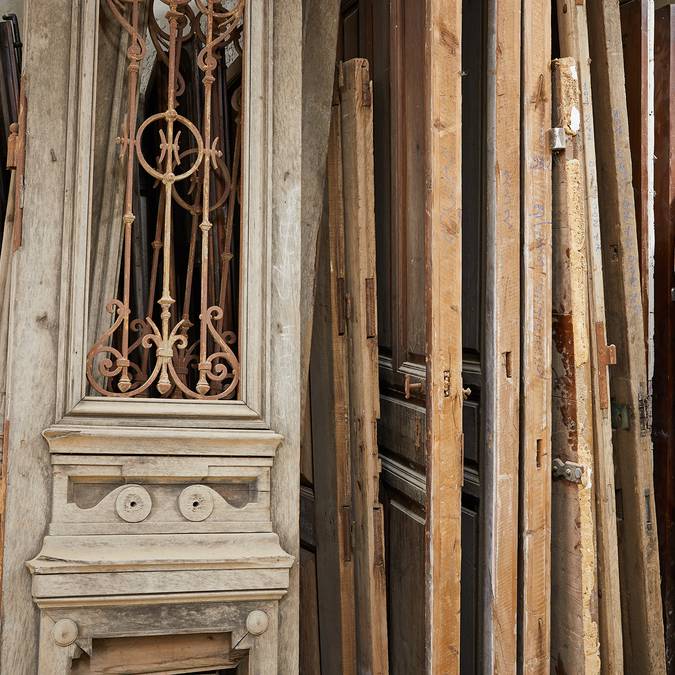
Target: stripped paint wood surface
{"x":444,"y":334}
{"x":574,"y":43}
{"x":502,"y":334}
{"x":329,"y":391}
{"x":574,"y":620}
{"x":639,"y":561}
{"x":364,"y":403}
{"x":535,"y":458}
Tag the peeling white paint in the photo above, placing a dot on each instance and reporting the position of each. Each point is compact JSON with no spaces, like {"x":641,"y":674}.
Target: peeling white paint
{"x":573,"y":71}
{"x":575,"y":119}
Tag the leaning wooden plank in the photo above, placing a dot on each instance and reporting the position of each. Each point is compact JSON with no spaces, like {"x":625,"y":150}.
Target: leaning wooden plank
{"x":574,"y":44}
{"x":359,"y":208}
{"x":502,"y":356}
{"x":639,"y":562}
{"x":535,"y":456}
{"x":574,"y":622}
{"x":663,"y":432}
{"x":443,"y":241}
{"x":329,"y":392}
{"x":319,"y":40}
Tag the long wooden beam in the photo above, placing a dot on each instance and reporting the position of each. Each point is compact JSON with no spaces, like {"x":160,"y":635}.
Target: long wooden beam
{"x":443,"y":237}
{"x":502,"y":353}
{"x":535,"y":456}
{"x":329,"y":392}
{"x":364,"y":402}
{"x":574,"y":43}
{"x":574,"y":621}
{"x":639,"y":561}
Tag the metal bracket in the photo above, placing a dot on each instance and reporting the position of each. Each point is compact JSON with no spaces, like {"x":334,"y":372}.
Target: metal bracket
{"x":570,"y":471}
{"x":557,"y":139}
{"x":606,"y":357}
{"x":620,"y":416}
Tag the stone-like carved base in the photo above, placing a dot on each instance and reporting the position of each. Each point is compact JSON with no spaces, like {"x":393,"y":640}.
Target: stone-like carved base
{"x":145,"y":546}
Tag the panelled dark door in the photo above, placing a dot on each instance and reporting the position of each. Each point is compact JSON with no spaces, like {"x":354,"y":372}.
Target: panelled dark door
{"x":391,"y":35}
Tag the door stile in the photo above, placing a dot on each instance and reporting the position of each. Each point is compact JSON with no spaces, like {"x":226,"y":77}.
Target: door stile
{"x":443,"y":239}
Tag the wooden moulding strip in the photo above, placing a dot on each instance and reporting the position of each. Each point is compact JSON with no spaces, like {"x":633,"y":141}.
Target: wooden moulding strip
{"x":330,"y":429}
{"x":639,"y":558}
{"x":359,"y":209}
{"x":502,"y":342}
{"x":574,"y":44}
{"x":535,"y":458}
{"x":575,"y":644}
{"x":443,"y":243}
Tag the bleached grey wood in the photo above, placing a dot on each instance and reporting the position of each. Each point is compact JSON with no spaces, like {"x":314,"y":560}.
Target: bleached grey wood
{"x":33,"y":326}
{"x":285,"y":307}
{"x":49,"y":340}
{"x":320,"y":30}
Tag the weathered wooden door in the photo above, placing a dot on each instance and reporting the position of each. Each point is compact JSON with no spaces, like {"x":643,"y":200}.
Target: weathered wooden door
{"x":391,"y":34}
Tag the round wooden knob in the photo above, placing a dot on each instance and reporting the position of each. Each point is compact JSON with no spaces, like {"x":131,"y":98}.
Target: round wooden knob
{"x":257,"y":622}
{"x":133,"y":504}
{"x":65,"y":632}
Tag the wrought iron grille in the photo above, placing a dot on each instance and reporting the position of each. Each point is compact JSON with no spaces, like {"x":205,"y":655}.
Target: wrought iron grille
{"x":182,"y":147}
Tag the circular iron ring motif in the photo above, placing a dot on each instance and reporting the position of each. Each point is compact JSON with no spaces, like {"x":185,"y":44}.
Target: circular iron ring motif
{"x":170,"y":115}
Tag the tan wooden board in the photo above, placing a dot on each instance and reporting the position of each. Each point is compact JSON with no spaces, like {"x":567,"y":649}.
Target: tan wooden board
{"x":360,"y":284}
{"x":575,"y":644}
{"x":574,"y":37}
{"x":535,"y":431}
{"x":639,"y":561}
{"x":444,"y":335}
{"x":503,"y":317}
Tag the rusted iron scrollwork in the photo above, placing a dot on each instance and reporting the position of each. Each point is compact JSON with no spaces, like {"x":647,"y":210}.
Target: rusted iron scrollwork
{"x":143,"y":356}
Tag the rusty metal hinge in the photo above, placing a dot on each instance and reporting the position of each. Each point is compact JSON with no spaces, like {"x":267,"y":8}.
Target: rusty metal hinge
{"x":16,"y":160}
{"x":606,"y":357}
{"x":574,"y":473}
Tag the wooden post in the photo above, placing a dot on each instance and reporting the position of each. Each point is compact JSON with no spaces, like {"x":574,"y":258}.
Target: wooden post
{"x":444,"y":334}
{"x":535,"y":458}
{"x":502,"y":341}
{"x":574,"y":622}
{"x":639,"y":562}
{"x":574,"y":43}
{"x":330,"y":431}
{"x":364,"y":402}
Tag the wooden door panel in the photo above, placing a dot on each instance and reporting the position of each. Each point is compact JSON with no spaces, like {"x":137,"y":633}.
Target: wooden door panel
{"x":392,"y":34}
{"x":404,"y":536}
